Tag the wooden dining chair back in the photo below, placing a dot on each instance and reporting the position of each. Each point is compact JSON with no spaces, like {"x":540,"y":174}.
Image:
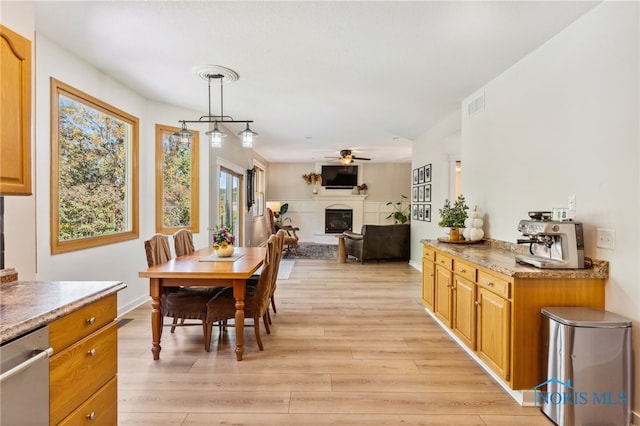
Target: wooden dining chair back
{"x":179,"y":303}
{"x":183,"y":242}
{"x":157,"y":249}
{"x":279,"y":247}
{"x":222,"y":307}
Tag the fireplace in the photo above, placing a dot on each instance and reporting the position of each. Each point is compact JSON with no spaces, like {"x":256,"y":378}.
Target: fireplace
{"x":338,"y":220}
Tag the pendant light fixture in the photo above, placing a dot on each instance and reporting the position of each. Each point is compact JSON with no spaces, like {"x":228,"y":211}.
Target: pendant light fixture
{"x":223,"y":75}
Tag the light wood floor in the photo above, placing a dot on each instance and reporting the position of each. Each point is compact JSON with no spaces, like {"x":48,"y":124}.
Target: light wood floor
{"x":350,"y":345}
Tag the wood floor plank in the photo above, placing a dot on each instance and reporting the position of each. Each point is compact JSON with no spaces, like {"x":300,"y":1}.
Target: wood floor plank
{"x":350,"y":345}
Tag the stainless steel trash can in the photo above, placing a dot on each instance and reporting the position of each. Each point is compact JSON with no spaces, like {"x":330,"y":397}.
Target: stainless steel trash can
{"x":588,"y":367}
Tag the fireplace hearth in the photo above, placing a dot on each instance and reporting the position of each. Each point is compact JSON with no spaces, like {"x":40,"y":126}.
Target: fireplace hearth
{"x":338,"y":220}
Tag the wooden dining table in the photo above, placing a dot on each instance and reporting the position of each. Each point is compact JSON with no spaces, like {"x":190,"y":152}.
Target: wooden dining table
{"x":201,"y":268}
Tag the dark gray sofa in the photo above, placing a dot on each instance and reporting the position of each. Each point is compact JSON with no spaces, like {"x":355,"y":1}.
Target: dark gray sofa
{"x":379,"y":242}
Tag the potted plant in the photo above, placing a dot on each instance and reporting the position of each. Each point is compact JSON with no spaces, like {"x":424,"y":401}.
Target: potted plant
{"x":279,"y":217}
{"x":452,"y":216}
{"x":399,"y":214}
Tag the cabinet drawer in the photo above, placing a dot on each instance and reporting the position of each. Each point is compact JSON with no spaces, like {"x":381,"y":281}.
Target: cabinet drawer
{"x":428,"y":253}
{"x":80,"y":370}
{"x":99,"y":410}
{"x":464,"y":269}
{"x":444,"y":260}
{"x":497,"y":285}
{"x":73,"y":327}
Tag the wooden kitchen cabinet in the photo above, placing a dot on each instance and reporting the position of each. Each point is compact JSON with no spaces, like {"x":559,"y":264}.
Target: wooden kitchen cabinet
{"x":464,"y":310}
{"x":83,"y":370}
{"x":497,"y":314}
{"x":493,"y":328}
{"x":443,"y":308}
{"x":428,"y":277}
{"x":15,"y":104}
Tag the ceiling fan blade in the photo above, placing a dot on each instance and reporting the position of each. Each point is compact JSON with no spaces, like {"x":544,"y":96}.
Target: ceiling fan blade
{"x":361,"y":158}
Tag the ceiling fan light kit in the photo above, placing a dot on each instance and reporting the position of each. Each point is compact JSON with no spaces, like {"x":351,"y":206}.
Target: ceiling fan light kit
{"x":223,"y":75}
{"x":347,"y":157}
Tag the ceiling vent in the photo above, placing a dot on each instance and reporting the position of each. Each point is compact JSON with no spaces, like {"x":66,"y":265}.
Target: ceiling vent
{"x":475,"y":105}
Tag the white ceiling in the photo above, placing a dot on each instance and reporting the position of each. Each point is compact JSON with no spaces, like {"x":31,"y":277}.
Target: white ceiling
{"x":315,"y":76}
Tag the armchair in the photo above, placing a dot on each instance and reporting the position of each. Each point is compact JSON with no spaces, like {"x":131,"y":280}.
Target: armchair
{"x":379,"y":242}
{"x":291,"y":239}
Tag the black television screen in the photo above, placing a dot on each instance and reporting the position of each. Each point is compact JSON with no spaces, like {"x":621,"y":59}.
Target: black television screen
{"x":339,"y":176}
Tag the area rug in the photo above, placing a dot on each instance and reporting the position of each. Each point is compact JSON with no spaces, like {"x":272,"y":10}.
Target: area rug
{"x":286,"y":266}
{"x":313,"y":251}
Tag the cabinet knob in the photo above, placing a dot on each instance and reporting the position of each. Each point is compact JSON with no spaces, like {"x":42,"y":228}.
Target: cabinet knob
{"x":91,"y":321}
{"x":463,"y":270}
{"x":92,"y":352}
{"x":477,"y":303}
{"x":489,"y":283}
{"x":91,"y":415}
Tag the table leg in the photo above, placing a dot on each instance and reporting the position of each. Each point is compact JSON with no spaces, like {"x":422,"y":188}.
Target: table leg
{"x":155,"y":289}
{"x":239,"y":287}
{"x":342,"y":250}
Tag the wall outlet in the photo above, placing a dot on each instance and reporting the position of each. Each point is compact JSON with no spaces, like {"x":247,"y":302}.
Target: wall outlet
{"x":606,"y":238}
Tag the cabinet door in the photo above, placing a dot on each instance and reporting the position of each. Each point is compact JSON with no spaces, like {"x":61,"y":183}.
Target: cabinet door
{"x":15,"y":104}
{"x":428,"y":283}
{"x":443,"y":305}
{"x":493,"y":331}
{"x":464,"y":310}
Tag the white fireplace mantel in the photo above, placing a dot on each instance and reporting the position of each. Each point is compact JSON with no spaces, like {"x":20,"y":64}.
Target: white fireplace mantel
{"x":339,"y":197}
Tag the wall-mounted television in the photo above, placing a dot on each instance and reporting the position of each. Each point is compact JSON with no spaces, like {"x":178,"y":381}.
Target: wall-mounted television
{"x":339,"y":177}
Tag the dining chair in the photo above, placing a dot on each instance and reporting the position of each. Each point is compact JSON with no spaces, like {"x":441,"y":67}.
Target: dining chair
{"x":179,"y":303}
{"x":183,"y":242}
{"x":222,"y":307}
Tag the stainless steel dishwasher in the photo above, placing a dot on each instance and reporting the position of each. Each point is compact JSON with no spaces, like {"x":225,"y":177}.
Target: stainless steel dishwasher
{"x":24,"y":380}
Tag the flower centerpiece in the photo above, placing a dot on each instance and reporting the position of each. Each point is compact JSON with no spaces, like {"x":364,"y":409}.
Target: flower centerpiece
{"x":223,"y":240}
{"x":453,"y":216}
{"x":313,"y":178}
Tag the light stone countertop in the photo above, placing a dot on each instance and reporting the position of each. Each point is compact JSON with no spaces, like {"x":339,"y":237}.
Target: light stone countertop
{"x":27,"y":305}
{"x":499,"y":256}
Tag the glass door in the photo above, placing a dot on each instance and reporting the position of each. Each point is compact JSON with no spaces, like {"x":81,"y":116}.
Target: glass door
{"x":229,"y":202}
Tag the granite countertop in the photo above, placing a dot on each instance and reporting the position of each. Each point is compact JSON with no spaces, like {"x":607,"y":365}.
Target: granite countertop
{"x":499,"y":256}
{"x":27,"y":305}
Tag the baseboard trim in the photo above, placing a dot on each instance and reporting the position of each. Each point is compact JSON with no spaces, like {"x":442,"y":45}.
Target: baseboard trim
{"x":525,"y":397}
{"x":122,"y":310}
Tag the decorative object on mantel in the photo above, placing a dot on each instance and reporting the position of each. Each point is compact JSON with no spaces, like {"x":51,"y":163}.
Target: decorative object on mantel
{"x":453,"y":216}
{"x":399,"y":214}
{"x":362,"y":189}
{"x":223,"y":240}
{"x":473,"y":226}
{"x":313,"y":178}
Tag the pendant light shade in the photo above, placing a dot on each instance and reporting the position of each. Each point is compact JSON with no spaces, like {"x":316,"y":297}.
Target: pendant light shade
{"x":247,"y":136}
{"x":216,"y":136}
{"x":183,"y":135}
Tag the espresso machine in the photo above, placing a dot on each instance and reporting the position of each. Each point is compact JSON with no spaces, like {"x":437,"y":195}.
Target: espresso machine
{"x":552,"y":244}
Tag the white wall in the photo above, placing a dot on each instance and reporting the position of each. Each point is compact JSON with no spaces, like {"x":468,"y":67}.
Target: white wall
{"x":20,"y":211}
{"x":565,"y":121}
{"x":440,"y":147}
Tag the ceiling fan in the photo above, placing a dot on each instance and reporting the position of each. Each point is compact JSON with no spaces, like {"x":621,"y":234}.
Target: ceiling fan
{"x":347,"y":157}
